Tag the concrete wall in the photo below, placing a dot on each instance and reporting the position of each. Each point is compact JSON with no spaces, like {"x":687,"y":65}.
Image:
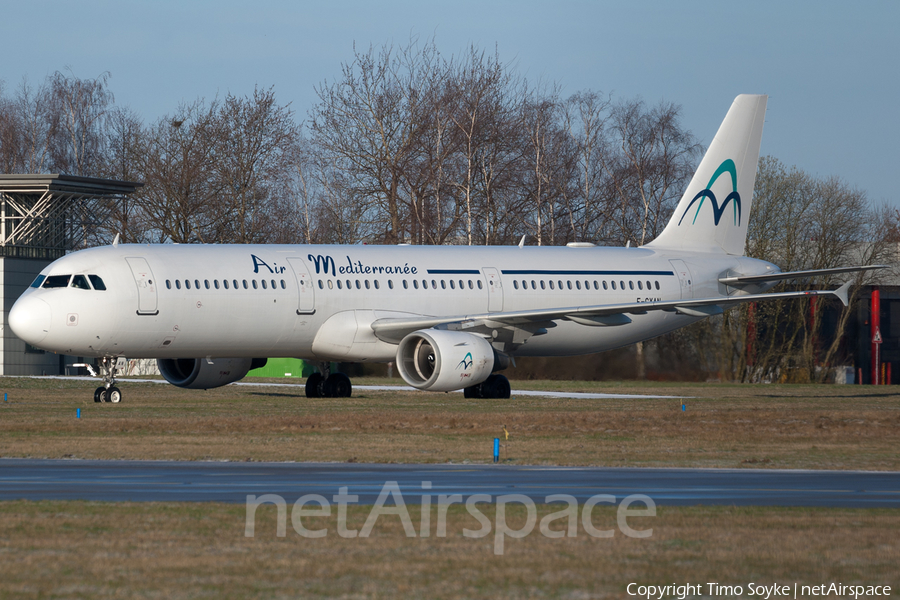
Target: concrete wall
{"x":16,"y":274}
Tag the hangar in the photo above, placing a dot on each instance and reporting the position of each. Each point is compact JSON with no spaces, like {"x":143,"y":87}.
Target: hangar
{"x":41,"y":218}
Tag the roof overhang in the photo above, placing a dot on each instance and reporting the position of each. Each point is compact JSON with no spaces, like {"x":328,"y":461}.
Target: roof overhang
{"x":66,"y":184}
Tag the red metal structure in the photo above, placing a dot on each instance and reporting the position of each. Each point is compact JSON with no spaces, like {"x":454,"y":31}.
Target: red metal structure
{"x":876,"y":336}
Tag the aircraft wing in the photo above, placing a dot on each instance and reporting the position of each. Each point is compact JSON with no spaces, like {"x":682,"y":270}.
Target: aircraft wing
{"x":532,"y":322}
{"x":739,"y":280}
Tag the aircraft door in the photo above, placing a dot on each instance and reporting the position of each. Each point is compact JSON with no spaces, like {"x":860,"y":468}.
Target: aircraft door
{"x":306,"y":303}
{"x":684,"y":278}
{"x":495,"y":289}
{"x":146,"y":286}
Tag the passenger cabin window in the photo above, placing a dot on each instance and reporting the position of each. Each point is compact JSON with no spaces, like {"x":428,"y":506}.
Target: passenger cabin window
{"x":80,"y":282}
{"x":56,"y":281}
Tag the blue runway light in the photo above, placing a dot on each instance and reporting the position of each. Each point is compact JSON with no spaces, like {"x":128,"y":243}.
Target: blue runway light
{"x":77,"y":413}
{"x":496,"y":449}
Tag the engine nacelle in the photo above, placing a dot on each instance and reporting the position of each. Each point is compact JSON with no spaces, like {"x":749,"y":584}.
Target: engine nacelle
{"x":199,"y":374}
{"x":442,"y":361}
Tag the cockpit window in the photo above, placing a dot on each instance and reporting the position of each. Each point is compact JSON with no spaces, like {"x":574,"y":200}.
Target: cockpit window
{"x":57,"y":281}
{"x":97,"y":282}
{"x":38,"y":281}
{"x":80,"y":282}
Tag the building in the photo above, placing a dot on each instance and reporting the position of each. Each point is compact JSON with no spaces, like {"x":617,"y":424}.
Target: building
{"x":41,"y":218}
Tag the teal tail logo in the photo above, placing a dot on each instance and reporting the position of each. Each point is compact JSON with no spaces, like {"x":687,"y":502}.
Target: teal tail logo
{"x":727,"y":166}
{"x":466,"y":362}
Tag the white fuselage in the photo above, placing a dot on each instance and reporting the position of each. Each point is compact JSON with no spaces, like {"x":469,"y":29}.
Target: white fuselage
{"x":318,"y":302}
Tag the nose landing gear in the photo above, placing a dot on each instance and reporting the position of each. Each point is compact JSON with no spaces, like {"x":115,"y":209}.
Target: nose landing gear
{"x":109,"y":367}
{"x":111,"y":394}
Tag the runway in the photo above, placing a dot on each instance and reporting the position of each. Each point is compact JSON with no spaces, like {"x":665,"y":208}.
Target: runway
{"x":231,"y":482}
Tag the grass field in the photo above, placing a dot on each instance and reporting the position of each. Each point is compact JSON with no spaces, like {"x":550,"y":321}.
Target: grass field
{"x":787,"y":426}
{"x":145,"y":550}
{"x":170,"y":550}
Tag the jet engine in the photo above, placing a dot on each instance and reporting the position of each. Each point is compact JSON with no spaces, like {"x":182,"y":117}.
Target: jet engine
{"x":202,"y":374}
{"x":442,"y":361}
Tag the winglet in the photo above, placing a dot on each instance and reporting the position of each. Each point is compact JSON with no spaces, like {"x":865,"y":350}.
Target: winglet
{"x":843,"y":293}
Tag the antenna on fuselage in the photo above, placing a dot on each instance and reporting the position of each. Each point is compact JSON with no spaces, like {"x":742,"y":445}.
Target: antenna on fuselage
{"x":116,"y":241}
{"x":522,"y":241}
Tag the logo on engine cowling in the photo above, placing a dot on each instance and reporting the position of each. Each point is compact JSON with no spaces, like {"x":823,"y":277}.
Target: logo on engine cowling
{"x":466,"y":362}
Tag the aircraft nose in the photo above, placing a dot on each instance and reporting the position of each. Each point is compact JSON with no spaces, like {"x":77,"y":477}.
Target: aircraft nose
{"x":29,"y":319}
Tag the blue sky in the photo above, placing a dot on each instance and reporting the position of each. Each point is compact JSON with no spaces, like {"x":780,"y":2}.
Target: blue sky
{"x":830,"y":68}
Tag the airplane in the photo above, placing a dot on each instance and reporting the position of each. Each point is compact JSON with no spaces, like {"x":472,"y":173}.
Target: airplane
{"x":450,"y":317}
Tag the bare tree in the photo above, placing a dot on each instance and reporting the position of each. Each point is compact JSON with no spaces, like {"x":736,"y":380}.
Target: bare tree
{"x":10,"y":135}
{"x":78,"y":110}
{"x":368,"y":124}
{"x":255,"y":158}
{"x":32,"y":110}
{"x":586,"y":116}
{"x":647,"y":175}
{"x":178,"y":163}
{"x":122,"y":161}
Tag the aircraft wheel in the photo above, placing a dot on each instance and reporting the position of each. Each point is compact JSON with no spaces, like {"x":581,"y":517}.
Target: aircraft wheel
{"x":314,"y":385}
{"x":499,"y":386}
{"x":99,"y":394}
{"x":473,"y":391}
{"x":338,"y":386}
{"x":114,"y":395}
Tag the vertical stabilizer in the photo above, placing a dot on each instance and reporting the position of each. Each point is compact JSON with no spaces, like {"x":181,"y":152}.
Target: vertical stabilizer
{"x":713,"y":213}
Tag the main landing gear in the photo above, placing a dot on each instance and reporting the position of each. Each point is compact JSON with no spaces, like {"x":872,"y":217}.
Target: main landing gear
{"x":495,"y":386}
{"x":335,"y":385}
{"x":109,"y":367}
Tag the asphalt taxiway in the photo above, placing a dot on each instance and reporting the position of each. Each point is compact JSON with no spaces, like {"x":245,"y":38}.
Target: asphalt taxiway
{"x":163,"y":481}
{"x":384,"y":388}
